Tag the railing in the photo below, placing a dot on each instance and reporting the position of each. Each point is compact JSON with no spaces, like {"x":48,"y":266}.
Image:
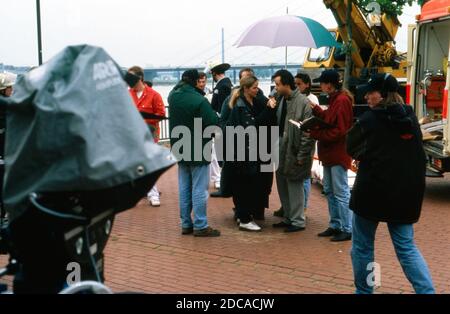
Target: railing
{"x":164,"y":135}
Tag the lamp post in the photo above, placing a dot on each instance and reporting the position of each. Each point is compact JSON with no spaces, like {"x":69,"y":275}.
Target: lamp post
{"x":286,"y":48}
{"x":39,"y":38}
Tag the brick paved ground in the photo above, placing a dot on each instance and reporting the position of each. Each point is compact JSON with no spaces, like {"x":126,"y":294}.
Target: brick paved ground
{"x":147,"y":253}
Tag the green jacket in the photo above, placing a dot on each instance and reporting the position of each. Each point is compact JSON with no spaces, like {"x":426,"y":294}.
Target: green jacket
{"x":185,"y":105}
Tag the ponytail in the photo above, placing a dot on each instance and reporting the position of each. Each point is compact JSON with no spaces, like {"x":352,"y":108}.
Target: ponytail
{"x":349,"y":94}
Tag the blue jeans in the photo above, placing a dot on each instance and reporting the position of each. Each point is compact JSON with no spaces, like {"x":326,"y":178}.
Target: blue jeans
{"x":306,"y":191}
{"x":335,"y":187}
{"x":193,"y":184}
{"x":402,"y":235}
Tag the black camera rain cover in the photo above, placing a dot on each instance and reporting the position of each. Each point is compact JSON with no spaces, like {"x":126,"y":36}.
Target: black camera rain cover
{"x":72,"y":126}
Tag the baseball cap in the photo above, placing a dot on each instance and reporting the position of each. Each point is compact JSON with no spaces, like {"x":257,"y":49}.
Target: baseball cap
{"x":328,"y":76}
{"x":382,"y":82}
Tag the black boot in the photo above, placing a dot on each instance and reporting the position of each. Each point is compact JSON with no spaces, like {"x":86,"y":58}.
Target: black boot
{"x":329,"y":233}
{"x":343,"y":236}
{"x":279,"y":213}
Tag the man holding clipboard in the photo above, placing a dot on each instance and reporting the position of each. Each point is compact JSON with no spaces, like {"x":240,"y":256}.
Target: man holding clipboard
{"x":333,"y":155}
{"x":312,"y":123}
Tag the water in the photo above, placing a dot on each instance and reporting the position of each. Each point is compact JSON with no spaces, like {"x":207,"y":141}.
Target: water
{"x":164,"y":90}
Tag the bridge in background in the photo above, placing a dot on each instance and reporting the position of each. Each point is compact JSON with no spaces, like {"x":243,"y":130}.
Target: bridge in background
{"x":172,"y":75}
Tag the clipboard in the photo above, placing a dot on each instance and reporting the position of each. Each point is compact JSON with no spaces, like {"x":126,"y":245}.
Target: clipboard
{"x":311,"y":123}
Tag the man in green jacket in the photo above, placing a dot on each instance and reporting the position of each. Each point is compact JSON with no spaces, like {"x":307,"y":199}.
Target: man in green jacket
{"x":189,"y":114}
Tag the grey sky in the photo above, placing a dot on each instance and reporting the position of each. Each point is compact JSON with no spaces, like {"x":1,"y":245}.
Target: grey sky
{"x":154,"y":33}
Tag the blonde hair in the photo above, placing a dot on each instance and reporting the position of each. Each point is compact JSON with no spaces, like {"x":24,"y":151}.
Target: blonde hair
{"x":392,"y":98}
{"x":247,"y":82}
{"x":349,"y":94}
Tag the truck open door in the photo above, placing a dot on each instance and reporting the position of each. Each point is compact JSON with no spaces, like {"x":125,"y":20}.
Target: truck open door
{"x":446,"y":108}
{"x":411,"y":68}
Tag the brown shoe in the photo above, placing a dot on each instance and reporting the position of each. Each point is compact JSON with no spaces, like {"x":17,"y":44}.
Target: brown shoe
{"x":207,"y":232}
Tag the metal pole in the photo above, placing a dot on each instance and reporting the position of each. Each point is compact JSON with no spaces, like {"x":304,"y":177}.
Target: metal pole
{"x":348,"y":57}
{"x":286,"y":48}
{"x":39,"y":37}
{"x":223,"y":45}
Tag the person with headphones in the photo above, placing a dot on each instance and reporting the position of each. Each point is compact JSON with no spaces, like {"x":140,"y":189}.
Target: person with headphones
{"x":390,"y":183}
{"x":147,"y":100}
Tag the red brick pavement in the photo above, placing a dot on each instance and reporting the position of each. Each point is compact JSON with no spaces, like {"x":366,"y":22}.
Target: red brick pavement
{"x":147,"y":252}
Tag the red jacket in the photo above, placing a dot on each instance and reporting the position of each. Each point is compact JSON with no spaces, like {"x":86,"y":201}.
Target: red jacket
{"x":150,"y":102}
{"x":331,"y":142}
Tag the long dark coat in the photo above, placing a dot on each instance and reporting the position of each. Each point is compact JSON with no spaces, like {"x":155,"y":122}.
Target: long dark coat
{"x":245,"y":176}
{"x":390,"y":182}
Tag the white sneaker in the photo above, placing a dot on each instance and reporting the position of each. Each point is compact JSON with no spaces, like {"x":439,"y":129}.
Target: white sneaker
{"x":251,"y":226}
{"x":217,"y":185}
{"x":154,"y":201}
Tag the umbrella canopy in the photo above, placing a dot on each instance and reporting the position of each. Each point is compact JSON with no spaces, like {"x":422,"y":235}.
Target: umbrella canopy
{"x":287,"y":30}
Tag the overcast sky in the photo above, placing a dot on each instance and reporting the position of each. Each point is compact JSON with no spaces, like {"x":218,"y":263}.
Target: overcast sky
{"x":154,"y":33}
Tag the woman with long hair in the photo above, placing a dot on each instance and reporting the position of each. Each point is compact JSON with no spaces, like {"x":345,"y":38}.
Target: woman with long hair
{"x":332,"y":154}
{"x":303,"y":83}
{"x":390,"y":183}
{"x":248,"y":185}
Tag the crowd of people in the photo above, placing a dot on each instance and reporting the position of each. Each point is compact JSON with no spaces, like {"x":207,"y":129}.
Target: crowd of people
{"x":386,"y":141}
{"x":382,"y":141}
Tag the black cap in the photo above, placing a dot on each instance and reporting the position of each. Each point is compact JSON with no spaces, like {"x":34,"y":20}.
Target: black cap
{"x":382,"y":82}
{"x":191,"y":75}
{"x":328,"y":76}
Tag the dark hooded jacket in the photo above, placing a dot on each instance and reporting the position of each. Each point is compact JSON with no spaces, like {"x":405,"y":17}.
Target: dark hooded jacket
{"x":390,"y":182}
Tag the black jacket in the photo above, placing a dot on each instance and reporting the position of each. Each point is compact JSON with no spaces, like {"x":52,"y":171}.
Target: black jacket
{"x":260,"y":104}
{"x":390,"y":182}
{"x":221,"y":91}
{"x":245,"y":115}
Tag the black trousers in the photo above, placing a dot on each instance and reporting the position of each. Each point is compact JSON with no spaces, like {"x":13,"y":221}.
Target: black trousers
{"x":250,"y":195}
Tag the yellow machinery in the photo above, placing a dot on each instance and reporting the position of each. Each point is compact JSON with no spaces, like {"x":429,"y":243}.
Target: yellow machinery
{"x":373,"y":46}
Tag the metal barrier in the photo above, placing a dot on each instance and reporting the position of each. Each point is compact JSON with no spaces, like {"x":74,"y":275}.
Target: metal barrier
{"x":164,"y":135}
